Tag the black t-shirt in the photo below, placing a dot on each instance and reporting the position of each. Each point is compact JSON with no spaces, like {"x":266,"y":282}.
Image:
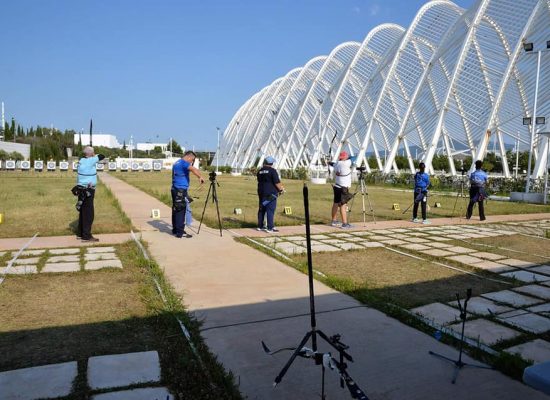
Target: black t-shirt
{"x":267,"y":178}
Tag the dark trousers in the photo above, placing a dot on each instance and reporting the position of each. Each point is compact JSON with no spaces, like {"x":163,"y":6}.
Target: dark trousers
{"x":178,"y":213}
{"x":86,"y":216}
{"x":421,"y":202}
{"x":267,"y":210}
{"x":476,"y":196}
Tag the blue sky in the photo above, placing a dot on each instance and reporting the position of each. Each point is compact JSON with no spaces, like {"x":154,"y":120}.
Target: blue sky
{"x":172,"y":68}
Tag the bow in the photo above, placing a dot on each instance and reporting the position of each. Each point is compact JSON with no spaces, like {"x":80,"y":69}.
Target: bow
{"x":330,"y":151}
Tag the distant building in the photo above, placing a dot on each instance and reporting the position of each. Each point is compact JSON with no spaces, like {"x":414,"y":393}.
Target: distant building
{"x":21,"y":148}
{"x":98,"y":139}
{"x":151,"y":146}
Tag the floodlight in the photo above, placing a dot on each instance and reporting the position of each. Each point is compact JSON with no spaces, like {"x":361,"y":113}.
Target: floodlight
{"x":540,"y":120}
{"x":527,"y":120}
{"x":528,"y":46}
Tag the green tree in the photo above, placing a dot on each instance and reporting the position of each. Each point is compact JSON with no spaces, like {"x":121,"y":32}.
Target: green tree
{"x":176,"y":148}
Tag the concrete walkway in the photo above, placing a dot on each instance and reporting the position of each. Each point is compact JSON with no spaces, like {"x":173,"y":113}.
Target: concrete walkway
{"x":48,"y":242}
{"x":243,"y":296}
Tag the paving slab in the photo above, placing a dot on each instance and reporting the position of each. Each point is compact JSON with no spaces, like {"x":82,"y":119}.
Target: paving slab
{"x":459,"y":249}
{"x":378,"y":238}
{"x":517,"y":263}
{"x":488,"y":256}
{"x":356,"y":239}
{"x":541,"y":309}
{"x":526,"y":276}
{"x":158,"y":393}
{"x":436,"y":252}
{"x":543,"y":269}
{"x":323,"y":247}
{"x":350,"y":246}
{"x":71,"y":250}
{"x":61,"y":267}
{"x":509,"y":297}
{"x":93,"y":265}
{"x":44,"y":382}
{"x":333,"y":241}
{"x":542,"y":292}
{"x":439,"y":313}
{"x":27,"y":253}
{"x":100,"y":256}
{"x":372,"y":244}
{"x":492,"y":266}
{"x":107,"y":249}
{"x":537,"y":350}
{"x":382,"y":232}
{"x":530,"y":322}
{"x":122,"y":370}
{"x":19,"y":270}
{"x":464,"y":259}
{"x":56,"y":259}
{"x":441,"y":239}
{"x":342,"y":235}
{"x":294,"y":238}
{"x":26,"y":261}
{"x":317,"y":237}
{"x":479,"y":305}
{"x":415,"y":246}
{"x":439,"y":245}
{"x":486,"y":331}
{"x":394,"y":242}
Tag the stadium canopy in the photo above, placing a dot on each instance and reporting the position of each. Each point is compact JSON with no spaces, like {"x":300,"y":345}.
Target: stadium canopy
{"x":456,"y":83}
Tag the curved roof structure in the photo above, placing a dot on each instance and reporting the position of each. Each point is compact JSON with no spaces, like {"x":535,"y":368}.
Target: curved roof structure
{"x":456,"y":82}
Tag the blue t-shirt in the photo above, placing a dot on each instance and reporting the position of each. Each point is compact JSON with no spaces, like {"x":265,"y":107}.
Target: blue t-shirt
{"x":180,"y":174}
{"x":478,"y":178}
{"x":267,"y":181}
{"x":87,"y":173}
{"x":421,"y":181}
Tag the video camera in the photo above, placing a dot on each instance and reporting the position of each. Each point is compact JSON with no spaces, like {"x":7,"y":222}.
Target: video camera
{"x":212,"y":176}
{"x":362,"y":168}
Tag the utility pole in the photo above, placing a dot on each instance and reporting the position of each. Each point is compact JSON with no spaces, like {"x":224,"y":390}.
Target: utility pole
{"x":91,"y":132}
{"x":3,"y":124}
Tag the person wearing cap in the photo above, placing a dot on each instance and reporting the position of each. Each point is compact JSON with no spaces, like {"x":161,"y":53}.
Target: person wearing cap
{"x":342,"y":184}
{"x":421,"y":184}
{"x":478,"y":181}
{"x":269,"y":188}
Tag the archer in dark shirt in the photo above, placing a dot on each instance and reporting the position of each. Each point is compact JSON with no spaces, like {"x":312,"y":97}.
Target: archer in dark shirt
{"x":269,"y":188}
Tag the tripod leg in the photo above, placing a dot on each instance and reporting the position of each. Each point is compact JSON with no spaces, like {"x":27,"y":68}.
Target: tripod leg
{"x":204,"y":209}
{"x":279,"y":377}
{"x":215,"y":197}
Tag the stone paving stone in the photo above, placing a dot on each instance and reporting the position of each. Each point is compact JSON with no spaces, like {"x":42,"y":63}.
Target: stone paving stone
{"x":517,"y":263}
{"x":350,"y":246}
{"x":439,"y":313}
{"x":526,"y":276}
{"x":535,"y":290}
{"x":286,"y":247}
{"x":372,"y":244}
{"x":440,"y":239}
{"x":323,"y":247}
{"x":361,"y":233}
{"x":509,"y":297}
{"x":439,"y":245}
{"x":418,"y":240}
{"x":293,"y":238}
{"x":121,"y":370}
{"x":382,"y":232}
{"x":56,"y":259}
{"x":356,"y":239}
{"x":543,"y":269}
{"x":400,"y":230}
{"x":375,"y":237}
{"x":44,"y":382}
{"x":394,"y":242}
{"x":100,"y":250}
{"x":415,"y":246}
{"x":491,"y":266}
{"x":458,"y":236}
{"x":437,"y":252}
{"x":458,"y":249}
{"x":27,"y":253}
{"x":479,"y":305}
{"x":93,"y":265}
{"x":464,"y":259}
{"x":270,"y":241}
{"x":64,"y":251}
{"x":317,"y":237}
{"x":61,"y":267}
{"x":513,"y":313}
{"x":530,"y":322}
{"x":159,"y":393}
{"x":26,"y":261}
{"x":488,"y":256}
{"x":20,"y":270}
{"x":333,"y":241}
{"x":100,"y":256}
{"x":541,"y":308}
{"x":342,"y":235}
{"x":488,"y":332}
{"x":537,"y":351}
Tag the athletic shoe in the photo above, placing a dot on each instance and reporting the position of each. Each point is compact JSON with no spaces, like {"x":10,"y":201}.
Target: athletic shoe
{"x":185,"y":235}
{"x":426,"y":222}
{"x":415,"y":220}
{"x":335,"y":224}
{"x":261,"y":229}
{"x":272,"y":230}
{"x":347,"y":226}
{"x":91,"y":239}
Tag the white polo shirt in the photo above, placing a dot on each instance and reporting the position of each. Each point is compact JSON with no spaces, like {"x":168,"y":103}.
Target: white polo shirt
{"x":342,"y":170}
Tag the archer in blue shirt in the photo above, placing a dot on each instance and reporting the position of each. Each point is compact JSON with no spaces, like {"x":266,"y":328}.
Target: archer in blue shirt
{"x":421,"y":184}
{"x":478,"y":181}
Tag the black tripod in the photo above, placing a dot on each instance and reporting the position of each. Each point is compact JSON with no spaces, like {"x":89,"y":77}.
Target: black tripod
{"x":362,"y":188}
{"x":324,"y":359}
{"x":459,"y":364}
{"x":212,"y":189}
{"x":461,"y":193}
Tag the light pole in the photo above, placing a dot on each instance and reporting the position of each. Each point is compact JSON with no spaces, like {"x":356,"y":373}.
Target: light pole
{"x":517,"y":156}
{"x":528,"y":47}
{"x":218,"y":151}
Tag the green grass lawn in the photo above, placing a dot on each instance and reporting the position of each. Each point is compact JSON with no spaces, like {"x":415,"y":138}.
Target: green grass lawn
{"x":42,"y":202}
{"x":54,"y":318}
{"x":240,"y":192}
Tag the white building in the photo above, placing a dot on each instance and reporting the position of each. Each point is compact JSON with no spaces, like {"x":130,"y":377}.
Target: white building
{"x":98,"y":139}
{"x":151,"y":146}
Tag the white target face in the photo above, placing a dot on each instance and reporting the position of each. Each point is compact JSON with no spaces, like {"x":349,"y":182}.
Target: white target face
{"x":51,"y":165}
{"x":112,"y":166}
{"x":135,"y":166}
{"x":124,"y":166}
{"x":146,"y":167}
{"x":157,"y":166}
{"x":63,"y":165}
{"x":75,"y":165}
{"x":100,"y":167}
{"x":39,"y":165}
{"x":10,"y":164}
{"x":25,"y":165}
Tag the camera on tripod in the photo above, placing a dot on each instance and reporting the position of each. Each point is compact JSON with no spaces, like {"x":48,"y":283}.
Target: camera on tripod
{"x":212,"y":176}
{"x":362,"y":168}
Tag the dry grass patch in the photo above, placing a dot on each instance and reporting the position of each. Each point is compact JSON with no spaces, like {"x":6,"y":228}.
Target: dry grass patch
{"x":42,"y":202}
{"x":394,"y":278}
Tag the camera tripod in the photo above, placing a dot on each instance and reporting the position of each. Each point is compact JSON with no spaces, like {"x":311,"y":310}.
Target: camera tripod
{"x":362,"y":188}
{"x":324,"y":359}
{"x":459,"y":364}
{"x":212,"y":189}
{"x":459,"y":194}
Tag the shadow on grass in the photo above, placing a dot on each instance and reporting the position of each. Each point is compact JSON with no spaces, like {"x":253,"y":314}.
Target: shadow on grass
{"x":73,"y":226}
